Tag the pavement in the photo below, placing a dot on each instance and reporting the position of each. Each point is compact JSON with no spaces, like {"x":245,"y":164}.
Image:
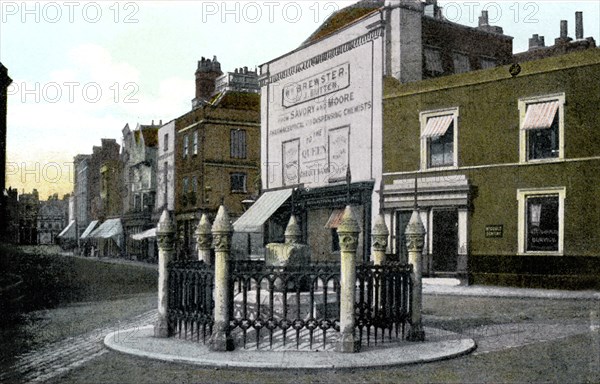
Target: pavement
{"x":440,"y":344}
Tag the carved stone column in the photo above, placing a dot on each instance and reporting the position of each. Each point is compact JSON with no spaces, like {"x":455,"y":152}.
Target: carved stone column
{"x":348,"y":232}
{"x":292,"y":234}
{"x":379,"y":240}
{"x":415,"y":241}
{"x":165,"y":234}
{"x":222,"y":231}
{"x":204,"y":239}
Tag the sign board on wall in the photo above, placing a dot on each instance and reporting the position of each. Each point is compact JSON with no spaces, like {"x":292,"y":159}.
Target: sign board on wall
{"x":321,"y":109}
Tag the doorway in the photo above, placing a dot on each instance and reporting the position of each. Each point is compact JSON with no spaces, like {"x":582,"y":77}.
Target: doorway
{"x":445,"y":240}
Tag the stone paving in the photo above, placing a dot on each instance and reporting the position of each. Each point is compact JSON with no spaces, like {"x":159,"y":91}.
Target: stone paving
{"x":57,"y":358}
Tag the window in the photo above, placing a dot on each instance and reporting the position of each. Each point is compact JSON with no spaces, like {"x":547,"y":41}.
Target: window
{"x":433,"y":61}
{"x":166,"y":182}
{"x":487,"y":63}
{"x":541,"y":218}
{"x":461,"y":62}
{"x":238,"y":144}
{"x":238,"y":182}
{"x":541,"y":137}
{"x":186,"y":185}
{"x":185,"y":145}
{"x":194,"y":184}
{"x":195,"y":150}
{"x":166,"y":142}
{"x":439,"y":135}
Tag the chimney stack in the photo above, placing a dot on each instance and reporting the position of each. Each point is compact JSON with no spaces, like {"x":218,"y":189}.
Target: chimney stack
{"x":564,"y":30}
{"x":536,"y":41}
{"x":484,"y":20}
{"x":579,"y":25}
{"x":207,"y":73}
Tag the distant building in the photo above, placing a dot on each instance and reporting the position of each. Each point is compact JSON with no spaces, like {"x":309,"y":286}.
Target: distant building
{"x":10,"y":231}
{"x":7,"y":202}
{"x":165,"y":190}
{"x":216,"y":155}
{"x":240,"y":80}
{"x":52,"y":219}
{"x":562,"y":44}
{"x":29,"y":206}
{"x":139,"y":156}
{"x":82,"y":193}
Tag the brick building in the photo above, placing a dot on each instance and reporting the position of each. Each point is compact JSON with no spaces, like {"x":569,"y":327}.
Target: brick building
{"x":506,"y":163}
{"x":52,"y":219}
{"x":216,"y":153}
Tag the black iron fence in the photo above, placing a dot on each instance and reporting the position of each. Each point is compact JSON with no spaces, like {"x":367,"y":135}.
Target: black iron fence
{"x":276,"y":306}
{"x":191,"y":304}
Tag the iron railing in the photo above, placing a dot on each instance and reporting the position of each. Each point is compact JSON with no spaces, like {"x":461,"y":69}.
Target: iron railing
{"x":191,"y":304}
{"x":277,"y":301}
{"x":383,"y":300}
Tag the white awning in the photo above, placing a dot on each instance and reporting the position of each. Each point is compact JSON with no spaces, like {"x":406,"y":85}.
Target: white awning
{"x":144,"y":235}
{"x":111,"y":228}
{"x":69,"y":231}
{"x":540,"y":115}
{"x":255,"y":217}
{"x":437,"y":126}
{"x":89,"y":229}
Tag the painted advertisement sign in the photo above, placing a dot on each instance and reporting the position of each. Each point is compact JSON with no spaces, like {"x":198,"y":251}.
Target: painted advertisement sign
{"x":321,"y":110}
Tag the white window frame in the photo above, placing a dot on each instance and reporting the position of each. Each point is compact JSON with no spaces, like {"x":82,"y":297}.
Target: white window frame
{"x":423,"y":117}
{"x":186,"y":143}
{"x":523,"y":103}
{"x":195,"y":143}
{"x":522,"y":195}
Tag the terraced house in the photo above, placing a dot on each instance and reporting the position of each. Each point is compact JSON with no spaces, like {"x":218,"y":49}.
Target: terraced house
{"x":509,"y":157}
{"x":216,"y":149}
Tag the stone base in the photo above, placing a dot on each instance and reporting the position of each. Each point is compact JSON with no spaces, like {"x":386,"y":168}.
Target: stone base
{"x":162,"y":329}
{"x":348,"y":343}
{"x":415,"y":333}
{"x":221,"y":342}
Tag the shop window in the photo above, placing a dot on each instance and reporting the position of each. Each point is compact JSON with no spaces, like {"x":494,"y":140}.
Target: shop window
{"x":542,"y":128}
{"x":439,"y":139}
{"x":541,"y":221}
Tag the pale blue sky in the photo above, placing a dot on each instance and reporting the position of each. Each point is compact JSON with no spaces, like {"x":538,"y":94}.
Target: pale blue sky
{"x":63,"y":53}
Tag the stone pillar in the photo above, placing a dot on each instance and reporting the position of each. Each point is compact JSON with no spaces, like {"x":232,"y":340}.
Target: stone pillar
{"x":379,"y":240}
{"x":204,"y":239}
{"x":292,"y":234}
{"x":222,"y":231}
{"x":348,"y":232}
{"x":165,"y":234}
{"x":415,"y":241}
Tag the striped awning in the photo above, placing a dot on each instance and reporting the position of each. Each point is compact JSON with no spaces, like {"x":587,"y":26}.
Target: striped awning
{"x":255,"y":217}
{"x":335,"y":219}
{"x":437,"y":126}
{"x":540,"y":115}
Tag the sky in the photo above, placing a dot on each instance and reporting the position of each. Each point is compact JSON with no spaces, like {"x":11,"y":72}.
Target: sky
{"x":83,"y":70}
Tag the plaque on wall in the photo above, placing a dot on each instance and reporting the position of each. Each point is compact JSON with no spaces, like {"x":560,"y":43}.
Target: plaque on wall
{"x":494,"y":231}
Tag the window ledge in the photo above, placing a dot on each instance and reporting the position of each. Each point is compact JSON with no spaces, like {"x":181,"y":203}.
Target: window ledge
{"x":543,"y":161}
{"x":445,"y":168}
{"x":540,"y":253}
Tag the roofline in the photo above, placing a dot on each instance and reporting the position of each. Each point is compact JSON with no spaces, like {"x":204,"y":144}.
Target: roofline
{"x":302,"y":46}
{"x":502,"y":74}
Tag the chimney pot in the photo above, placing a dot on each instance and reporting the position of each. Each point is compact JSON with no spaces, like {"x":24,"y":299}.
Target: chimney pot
{"x":579,"y":25}
{"x":484,"y":19}
{"x":160,"y":122}
{"x":152,"y":121}
{"x":564,"y":30}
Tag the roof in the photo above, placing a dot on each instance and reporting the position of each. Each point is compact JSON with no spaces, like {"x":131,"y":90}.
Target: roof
{"x":237,"y":100}
{"x":343,"y":17}
{"x":254,"y":218}
{"x":393,"y":88}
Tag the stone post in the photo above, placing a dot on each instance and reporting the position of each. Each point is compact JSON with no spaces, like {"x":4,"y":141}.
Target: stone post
{"x":292,"y":231}
{"x":348,"y":232}
{"x":204,"y":239}
{"x":222,"y":231}
{"x":415,"y":240}
{"x":165,"y":234}
{"x":379,"y":240}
